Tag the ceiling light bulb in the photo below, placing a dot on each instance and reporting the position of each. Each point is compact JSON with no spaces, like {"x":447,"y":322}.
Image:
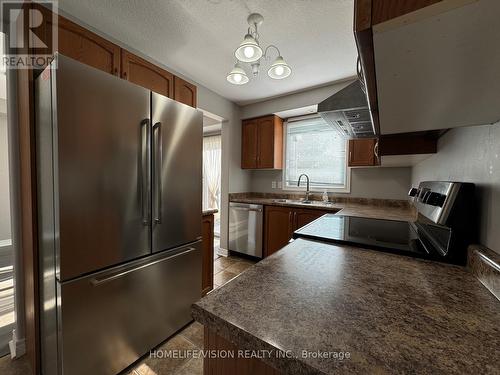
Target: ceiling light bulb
{"x":249,"y":52}
{"x":279,"y":69}
{"x":237,"y":76}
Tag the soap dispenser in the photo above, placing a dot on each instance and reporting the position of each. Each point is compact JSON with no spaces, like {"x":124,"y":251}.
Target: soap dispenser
{"x":325,"y":196}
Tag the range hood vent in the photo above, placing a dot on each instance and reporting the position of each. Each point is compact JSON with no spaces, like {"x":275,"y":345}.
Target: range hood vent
{"x":347,"y":111}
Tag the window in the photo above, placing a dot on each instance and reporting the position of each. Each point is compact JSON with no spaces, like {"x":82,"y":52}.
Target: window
{"x":315,"y":148}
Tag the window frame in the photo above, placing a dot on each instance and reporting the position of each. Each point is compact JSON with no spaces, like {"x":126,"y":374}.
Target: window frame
{"x":316,"y":189}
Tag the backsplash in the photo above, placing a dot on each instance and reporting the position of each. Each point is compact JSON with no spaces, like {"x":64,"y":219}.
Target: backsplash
{"x":485,"y":265}
{"x":471,"y":154}
{"x":379,"y":183}
{"x":402,"y":203}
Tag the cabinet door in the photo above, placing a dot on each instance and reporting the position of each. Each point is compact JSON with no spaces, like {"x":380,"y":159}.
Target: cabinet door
{"x":303,"y":217}
{"x":265,"y":155}
{"x":184,"y":92}
{"x":207,"y":260}
{"x":249,"y":139}
{"x":80,"y":44}
{"x":145,"y":74}
{"x":278,"y":228}
{"x":362,"y":152}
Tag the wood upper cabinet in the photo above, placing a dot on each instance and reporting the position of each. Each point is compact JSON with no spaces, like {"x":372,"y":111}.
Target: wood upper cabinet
{"x":249,"y":144}
{"x":262,"y":143}
{"x":278,"y":222}
{"x":80,"y":44}
{"x":143,"y":73}
{"x":207,"y":254}
{"x":184,"y":92}
{"x":87,"y":47}
{"x":363,"y":152}
{"x":281,"y":222}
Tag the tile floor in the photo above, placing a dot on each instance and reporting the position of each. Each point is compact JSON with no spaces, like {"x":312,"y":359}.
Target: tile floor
{"x":190,"y":338}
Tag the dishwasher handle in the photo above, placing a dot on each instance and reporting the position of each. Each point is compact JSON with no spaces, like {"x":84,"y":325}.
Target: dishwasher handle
{"x":246,"y":209}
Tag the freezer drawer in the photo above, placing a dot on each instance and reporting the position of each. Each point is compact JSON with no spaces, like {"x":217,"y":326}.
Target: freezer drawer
{"x":245,"y":228}
{"x":109,"y":319}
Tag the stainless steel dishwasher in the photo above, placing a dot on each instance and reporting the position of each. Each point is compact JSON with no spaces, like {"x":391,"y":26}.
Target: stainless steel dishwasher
{"x":245,"y":228}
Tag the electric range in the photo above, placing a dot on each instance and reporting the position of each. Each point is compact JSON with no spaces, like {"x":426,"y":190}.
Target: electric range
{"x":443,"y":230}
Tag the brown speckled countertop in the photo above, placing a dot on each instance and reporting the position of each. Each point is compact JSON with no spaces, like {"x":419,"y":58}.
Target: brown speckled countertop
{"x":393,"y":314}
{"x":371,"y":208}
{"x":210,"y":211}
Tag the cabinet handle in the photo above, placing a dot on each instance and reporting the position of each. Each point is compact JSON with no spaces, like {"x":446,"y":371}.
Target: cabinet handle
{"x":375,"y":151}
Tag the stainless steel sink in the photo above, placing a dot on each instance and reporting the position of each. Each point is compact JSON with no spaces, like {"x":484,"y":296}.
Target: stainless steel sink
{"x":294,"y":201}
{"x":299,"y":201}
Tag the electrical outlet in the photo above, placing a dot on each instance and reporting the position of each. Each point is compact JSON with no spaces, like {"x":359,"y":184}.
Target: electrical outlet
{"x":273,"y":184}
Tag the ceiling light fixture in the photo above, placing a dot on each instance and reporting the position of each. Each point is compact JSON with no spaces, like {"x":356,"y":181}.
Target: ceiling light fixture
{"x":250,"y":52}
{"x":237,"y":75}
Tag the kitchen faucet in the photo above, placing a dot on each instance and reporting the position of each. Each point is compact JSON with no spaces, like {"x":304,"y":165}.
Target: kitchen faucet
{"x":306,"y":200}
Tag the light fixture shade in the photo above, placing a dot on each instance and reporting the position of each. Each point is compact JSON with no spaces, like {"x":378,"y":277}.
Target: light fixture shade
{"x":237,"y":76}
{"x":249,"y":50}
{"x":279,"y":69}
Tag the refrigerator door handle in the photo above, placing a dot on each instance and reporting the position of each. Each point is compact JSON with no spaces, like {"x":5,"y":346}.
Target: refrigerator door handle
{"x":158,"y":169}
{"x":101,"y":280}
{"x":145,"y":171}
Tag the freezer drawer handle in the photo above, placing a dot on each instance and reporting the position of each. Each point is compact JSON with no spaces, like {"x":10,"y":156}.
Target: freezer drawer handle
{"x":246,"y":209}
{"x":158,"y":169}
{"x":145,"y":174}
{"x":98,"y":281}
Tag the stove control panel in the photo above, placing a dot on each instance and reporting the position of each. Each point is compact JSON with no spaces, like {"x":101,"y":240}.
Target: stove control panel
{"x":434,"y":199}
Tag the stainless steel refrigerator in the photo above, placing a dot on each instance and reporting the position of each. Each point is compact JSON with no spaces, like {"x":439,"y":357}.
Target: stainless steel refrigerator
{"x":119,"y":196}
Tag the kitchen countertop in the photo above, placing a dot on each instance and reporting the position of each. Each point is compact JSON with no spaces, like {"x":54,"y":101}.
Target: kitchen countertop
{"x":393,"y":210}
{"x":393,"y":314}
{"x":210,"y":211}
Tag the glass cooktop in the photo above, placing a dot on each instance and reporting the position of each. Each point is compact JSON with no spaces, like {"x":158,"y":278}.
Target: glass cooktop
{"x":388,"y":235}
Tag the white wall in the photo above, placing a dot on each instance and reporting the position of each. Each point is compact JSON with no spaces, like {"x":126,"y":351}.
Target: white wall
{"x":381,"y":183}
{"x":292,"y":101}
{"x":233,"y":178}
{"x":471,"y":154}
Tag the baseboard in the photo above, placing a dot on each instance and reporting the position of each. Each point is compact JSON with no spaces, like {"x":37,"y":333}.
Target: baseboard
{"x":17,"y":346}
{"x":223,"y":252}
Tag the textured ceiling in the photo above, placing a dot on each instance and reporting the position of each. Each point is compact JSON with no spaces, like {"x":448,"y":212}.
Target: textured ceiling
{"x":197,"y":38}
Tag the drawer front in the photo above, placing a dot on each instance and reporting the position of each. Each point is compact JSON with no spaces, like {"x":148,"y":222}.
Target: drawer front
{"x":108,"y":320}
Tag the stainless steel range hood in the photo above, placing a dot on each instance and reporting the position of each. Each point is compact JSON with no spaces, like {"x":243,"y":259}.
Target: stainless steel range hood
{"x":347,"y":111}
